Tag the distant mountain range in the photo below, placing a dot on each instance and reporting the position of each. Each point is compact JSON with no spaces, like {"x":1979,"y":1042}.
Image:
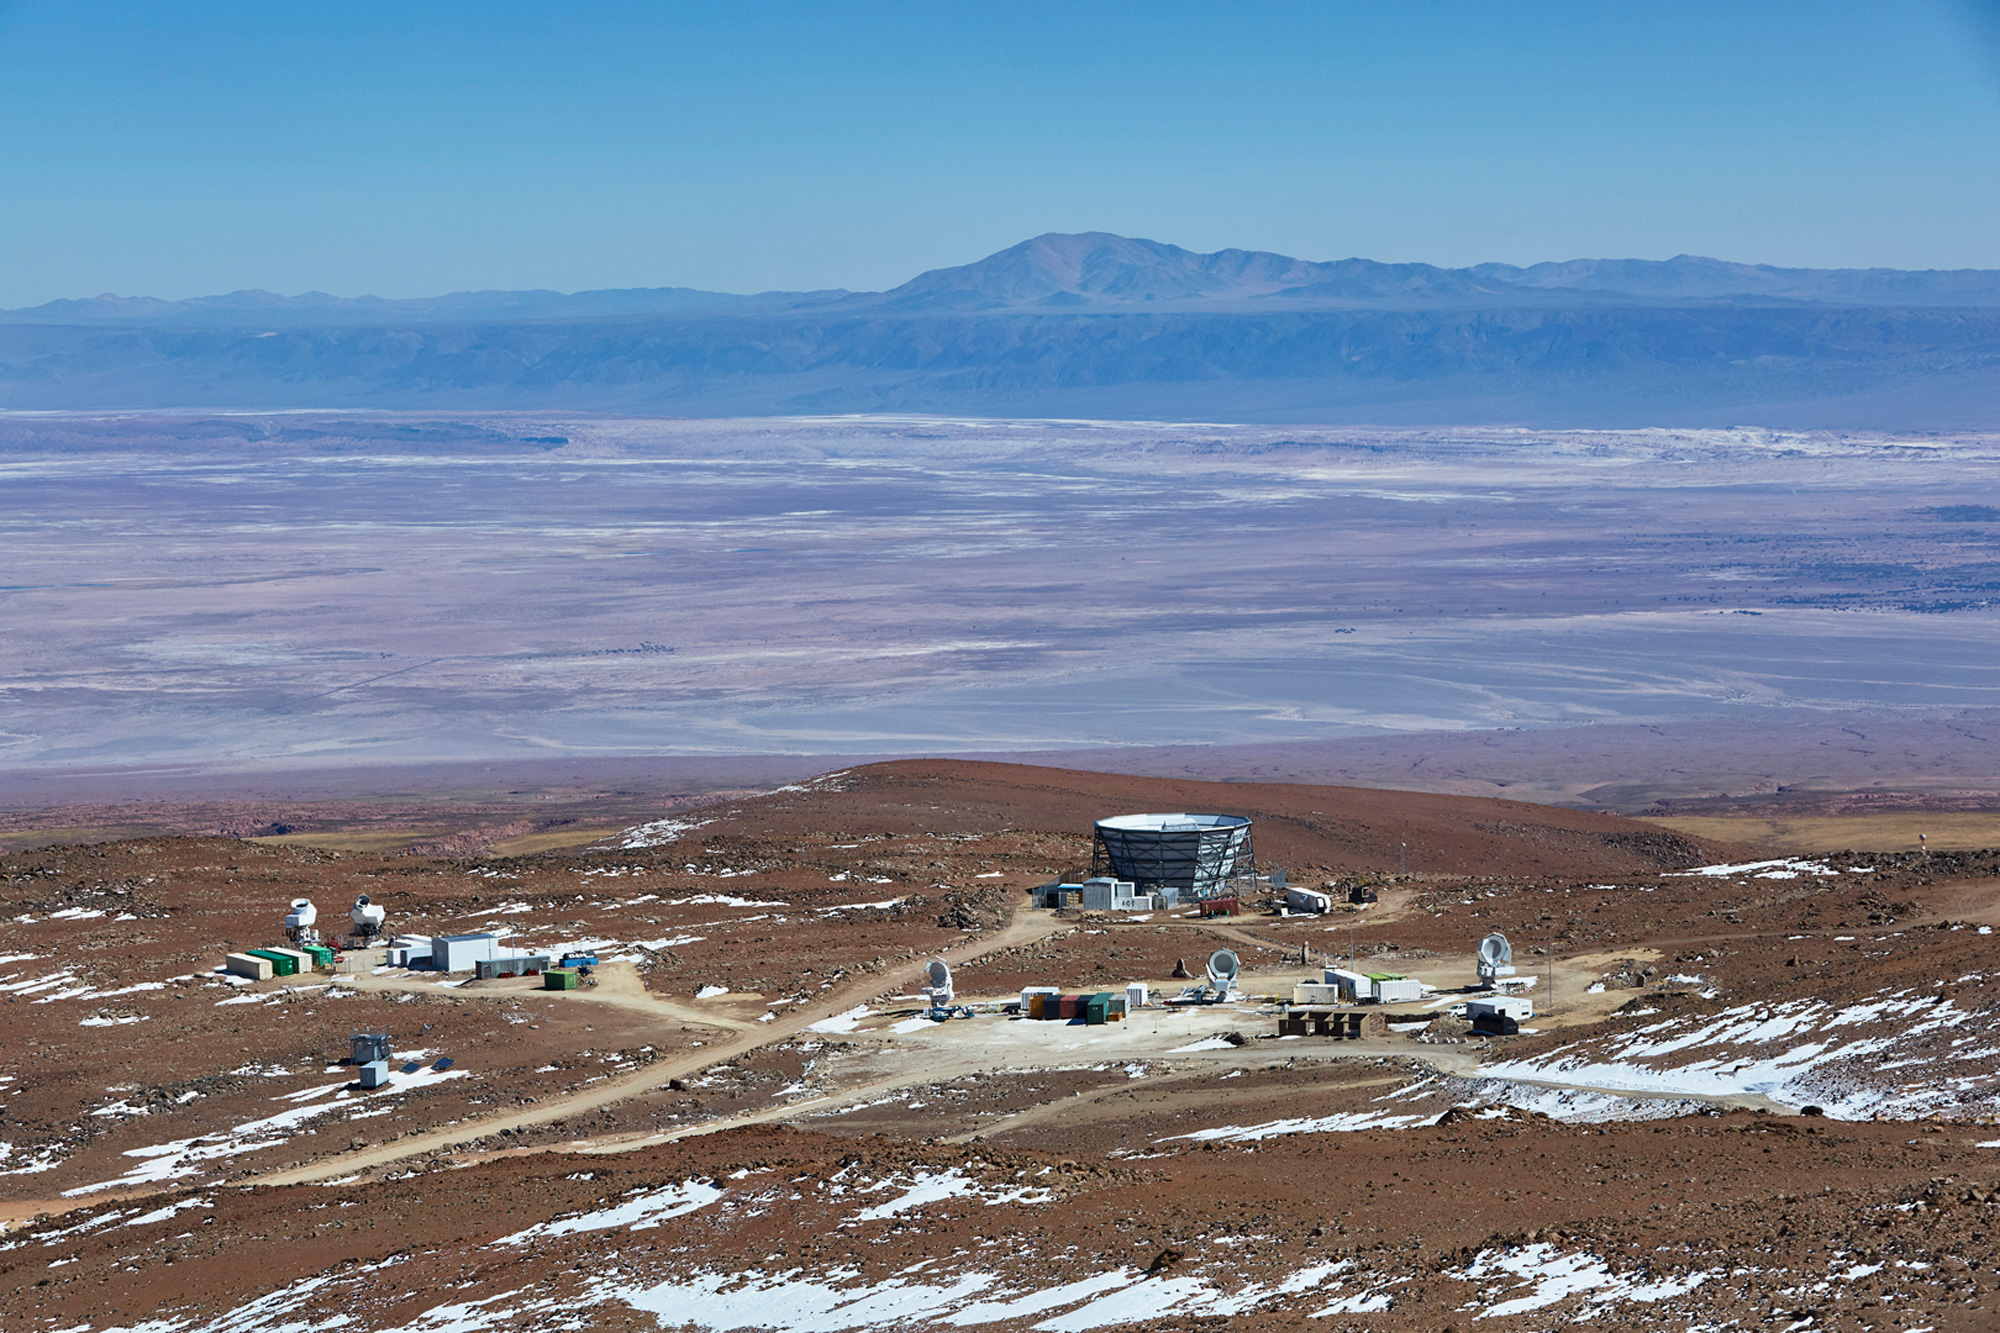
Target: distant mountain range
{"x":1099,"y":271}
{"x":1088,"y":324}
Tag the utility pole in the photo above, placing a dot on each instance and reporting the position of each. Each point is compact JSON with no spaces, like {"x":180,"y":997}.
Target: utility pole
{"x":1403,"y":858}
{"x":1552,"y":967}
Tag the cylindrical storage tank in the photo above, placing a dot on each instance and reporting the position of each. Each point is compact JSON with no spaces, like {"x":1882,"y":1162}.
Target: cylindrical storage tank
{"x":1197,"y":854}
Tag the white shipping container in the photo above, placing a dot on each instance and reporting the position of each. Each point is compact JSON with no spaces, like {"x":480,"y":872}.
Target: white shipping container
{"x":1401,"y":991}
{"x":1353,"y":985}
{"x":307,"y":963}
{"x":1033,"y":991}
{"x":244,"y":965}
{"x":1315,"y":992}
{"x":1135,"y":995}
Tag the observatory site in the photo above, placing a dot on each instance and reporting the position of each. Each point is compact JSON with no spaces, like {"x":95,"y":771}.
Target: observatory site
{"x":603,"y":726}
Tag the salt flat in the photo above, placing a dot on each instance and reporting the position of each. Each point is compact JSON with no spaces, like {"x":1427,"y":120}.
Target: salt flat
{"x":359,"y":587}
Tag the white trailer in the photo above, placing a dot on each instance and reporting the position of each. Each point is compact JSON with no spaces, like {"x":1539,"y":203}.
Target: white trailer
{"x":1308,"y":900}
{"x":1517,"y":1007}
{"x":1398,"y":990}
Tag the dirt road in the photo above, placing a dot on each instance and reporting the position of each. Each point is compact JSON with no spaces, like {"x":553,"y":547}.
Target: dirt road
{"x":1024,"y":929}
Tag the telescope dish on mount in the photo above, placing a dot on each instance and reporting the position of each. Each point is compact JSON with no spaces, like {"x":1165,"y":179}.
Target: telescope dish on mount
{"x":1223,"y":966}
{"x":938,"y":988}
{"x":299,"y":922}
{"x":1496,"y":958}
{"x":367,"y":917}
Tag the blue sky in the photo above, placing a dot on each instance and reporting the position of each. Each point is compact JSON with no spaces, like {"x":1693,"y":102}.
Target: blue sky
{"x":408,"y":149}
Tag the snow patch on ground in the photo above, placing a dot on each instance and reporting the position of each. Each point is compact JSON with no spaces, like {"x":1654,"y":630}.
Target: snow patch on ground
{"x":183,"y":1158}
{"x":638,"y":1211}
{"x":1782,"y":868}
{"x":719,"y":900}
{"x":1855,"y":1061}
{"x":928,"y":1187}
{"x":1422,"y":1102}
{"x":831,"y":1300}
{"x":1205,"y":1044}
{"x":659,"y":833}
{"x":671,"y":942}
{"x":1551,"y":1277}
{"x":846,"y":1022}
{"x":162,"y":1214}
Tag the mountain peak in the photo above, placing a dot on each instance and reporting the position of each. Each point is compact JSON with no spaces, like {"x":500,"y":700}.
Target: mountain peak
{"x":1100,"y":268}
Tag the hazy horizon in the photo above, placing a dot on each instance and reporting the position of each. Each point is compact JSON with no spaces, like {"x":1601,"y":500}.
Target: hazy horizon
{"x":782,"y":147}
{"x":1547,"y":261}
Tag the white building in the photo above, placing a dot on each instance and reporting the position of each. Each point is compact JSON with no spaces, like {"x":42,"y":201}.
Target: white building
{"x":457,"y":953}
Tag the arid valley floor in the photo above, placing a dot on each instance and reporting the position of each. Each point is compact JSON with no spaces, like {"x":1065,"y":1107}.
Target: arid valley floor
{"x":1759,"y":1091}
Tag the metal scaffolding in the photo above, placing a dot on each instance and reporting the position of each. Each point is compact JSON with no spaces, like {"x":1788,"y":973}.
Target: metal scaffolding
{"x":1201,"y":856}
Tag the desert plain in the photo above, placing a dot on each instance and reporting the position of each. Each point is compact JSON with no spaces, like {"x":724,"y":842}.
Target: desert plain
{"x":1758,"y":1091}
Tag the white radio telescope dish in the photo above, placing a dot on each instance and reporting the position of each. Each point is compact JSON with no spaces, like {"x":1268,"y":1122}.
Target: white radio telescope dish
{"x":367,"y":917}
{"x":938,"y":989}
{"x":1223,"y":966}
{"x":1496,"y":958}
{"x":299,"y":922}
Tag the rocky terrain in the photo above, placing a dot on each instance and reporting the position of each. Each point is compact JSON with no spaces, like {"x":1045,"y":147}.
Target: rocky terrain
{"x":1758,"y":1092}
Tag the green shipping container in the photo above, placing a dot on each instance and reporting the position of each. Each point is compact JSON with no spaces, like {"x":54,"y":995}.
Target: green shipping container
{"x":559,"y":978}
{"x":282,"y":964}
{"x":321,"y":955}
{"x":1097,"y":1009}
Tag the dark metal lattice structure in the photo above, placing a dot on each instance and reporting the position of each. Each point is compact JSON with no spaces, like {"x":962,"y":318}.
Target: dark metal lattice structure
{"x":1203,"y":856}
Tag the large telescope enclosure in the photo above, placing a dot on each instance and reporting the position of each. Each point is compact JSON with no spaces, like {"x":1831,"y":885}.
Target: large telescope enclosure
{"x":1201,"y":855}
